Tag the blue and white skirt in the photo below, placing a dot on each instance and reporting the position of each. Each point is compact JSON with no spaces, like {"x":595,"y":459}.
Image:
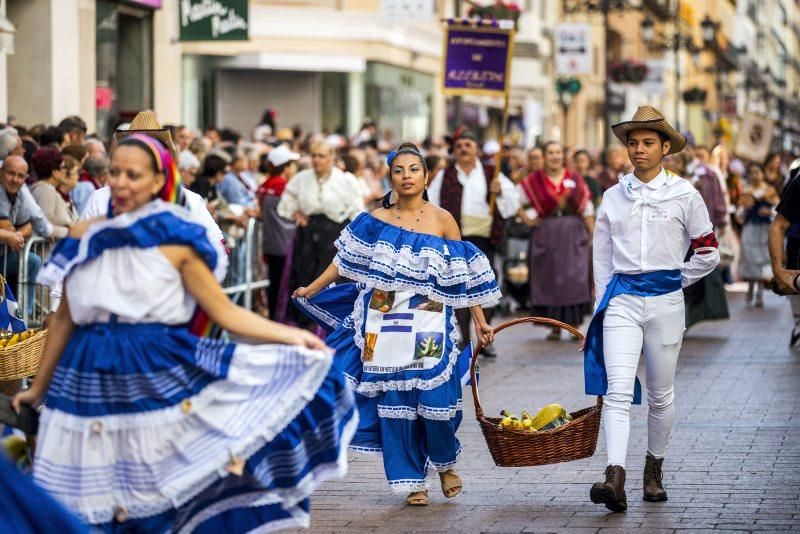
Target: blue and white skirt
{"x":399,"y":352}
{"x":149,"y":428}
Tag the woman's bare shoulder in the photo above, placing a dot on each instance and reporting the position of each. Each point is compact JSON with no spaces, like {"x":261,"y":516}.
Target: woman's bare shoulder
{"x":447,"y":224}
{"x":81,"y":227}
{"x":382,"y":214}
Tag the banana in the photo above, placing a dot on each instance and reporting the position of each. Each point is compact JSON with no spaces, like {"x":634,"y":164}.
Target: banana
{"x":14,"y":339}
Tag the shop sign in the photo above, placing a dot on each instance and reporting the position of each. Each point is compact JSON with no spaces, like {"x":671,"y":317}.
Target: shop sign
{"x":214,"y":20}
{"x":406,"y":10}
{"x":103,"y":98}
{"x":573,"y":49}
{"x":477,"y":61}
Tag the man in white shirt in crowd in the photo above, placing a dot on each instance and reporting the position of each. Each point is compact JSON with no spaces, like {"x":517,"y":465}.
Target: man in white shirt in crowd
{"x":465,"y":188}
{"x":322,"y":200}
{"x":645,"y":224}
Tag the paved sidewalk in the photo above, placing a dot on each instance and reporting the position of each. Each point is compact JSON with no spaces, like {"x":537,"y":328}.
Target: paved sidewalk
{"x":733,"y":462}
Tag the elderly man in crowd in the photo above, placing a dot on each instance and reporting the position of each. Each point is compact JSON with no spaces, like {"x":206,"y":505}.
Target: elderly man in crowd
{"x":20,"y":216}
{"x":95,"y":147}
{"x":10,"y":144}
{"x":93,"y":176}
{"x":465,"y":188}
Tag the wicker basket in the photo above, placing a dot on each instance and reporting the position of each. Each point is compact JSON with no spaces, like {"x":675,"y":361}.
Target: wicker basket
{"x":518,"y":448}
{"x":22,"y":359}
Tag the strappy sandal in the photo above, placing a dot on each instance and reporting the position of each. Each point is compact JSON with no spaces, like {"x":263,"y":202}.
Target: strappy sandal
{"x":418,"y":498}
{"x":451,"y":483}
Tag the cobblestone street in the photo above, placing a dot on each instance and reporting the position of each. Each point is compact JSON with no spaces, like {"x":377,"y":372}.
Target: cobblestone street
{"x":733,"y":462}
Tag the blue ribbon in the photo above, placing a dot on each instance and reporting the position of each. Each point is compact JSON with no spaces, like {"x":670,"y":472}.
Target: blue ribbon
{"x":390,"y":157}
{"x":650,"y":284}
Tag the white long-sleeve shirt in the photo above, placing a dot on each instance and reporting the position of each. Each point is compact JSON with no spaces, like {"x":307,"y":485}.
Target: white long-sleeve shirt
{"x":338,"y":196}
{"x":473,"y":201}
{"x":649,"y":227}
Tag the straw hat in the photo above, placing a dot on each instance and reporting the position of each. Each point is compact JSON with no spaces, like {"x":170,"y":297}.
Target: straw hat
{"x":649,"y":118}
{"x":146,"y":123}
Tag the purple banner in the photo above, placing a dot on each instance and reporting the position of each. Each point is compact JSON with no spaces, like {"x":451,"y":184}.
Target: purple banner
{"x":476,"y":61}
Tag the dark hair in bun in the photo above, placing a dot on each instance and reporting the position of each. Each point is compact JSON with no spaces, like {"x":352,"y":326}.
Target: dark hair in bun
{"x":404,"y":148}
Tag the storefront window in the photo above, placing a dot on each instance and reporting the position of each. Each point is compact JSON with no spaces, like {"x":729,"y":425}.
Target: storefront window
{"x":400,"y":101}
{"x":124,"y":64}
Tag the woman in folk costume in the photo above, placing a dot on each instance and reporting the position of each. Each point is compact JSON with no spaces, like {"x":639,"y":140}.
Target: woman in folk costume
{"x":149,"y":428}
{"x":561,"y":214}
{"x":395,"y":331}
{"x":645,"y":225}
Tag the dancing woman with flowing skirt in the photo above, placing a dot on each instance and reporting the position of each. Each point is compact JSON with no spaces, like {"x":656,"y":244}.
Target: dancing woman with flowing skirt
{"x":149,"y":428}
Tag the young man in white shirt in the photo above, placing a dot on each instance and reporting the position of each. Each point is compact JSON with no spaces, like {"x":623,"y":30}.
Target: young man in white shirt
{"x":645,"y":226}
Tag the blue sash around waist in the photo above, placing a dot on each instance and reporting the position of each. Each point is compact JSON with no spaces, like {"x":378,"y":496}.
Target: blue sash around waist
{"x":650,"y":284}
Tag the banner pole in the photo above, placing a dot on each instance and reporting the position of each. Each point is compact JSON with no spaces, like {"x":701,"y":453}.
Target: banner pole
{"x":500,"y":153}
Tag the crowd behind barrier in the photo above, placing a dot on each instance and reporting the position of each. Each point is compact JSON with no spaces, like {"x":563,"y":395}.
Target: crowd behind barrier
{"x":259,"y":190}
{"x":243,"y":289}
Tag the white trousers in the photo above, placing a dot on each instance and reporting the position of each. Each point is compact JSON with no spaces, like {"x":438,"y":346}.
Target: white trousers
{"x":634,"y":325}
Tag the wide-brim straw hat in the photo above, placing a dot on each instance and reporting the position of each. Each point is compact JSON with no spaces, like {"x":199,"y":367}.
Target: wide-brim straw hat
{"x":649,"y":118}
{"x":146,"y":123}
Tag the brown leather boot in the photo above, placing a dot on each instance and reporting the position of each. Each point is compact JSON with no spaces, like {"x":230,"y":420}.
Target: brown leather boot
{"x":653,"y":490}
{"x":612,"y":491}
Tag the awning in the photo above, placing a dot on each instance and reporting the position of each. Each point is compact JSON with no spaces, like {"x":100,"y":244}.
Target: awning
{"x":296,"y":62}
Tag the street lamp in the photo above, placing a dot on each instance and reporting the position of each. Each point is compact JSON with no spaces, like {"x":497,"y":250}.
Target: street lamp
{"x":603,"y":7}
{"x":648,"y":30}
{"x":672,"y":42}
{"x":708,"y":28}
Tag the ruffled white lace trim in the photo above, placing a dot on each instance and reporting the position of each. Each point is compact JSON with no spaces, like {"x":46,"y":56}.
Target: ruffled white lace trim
{"x":318,"y":313}
{"x":428,"y":263}
{"x":372,"y":389}
{"x":374,"y":451}
{"x":409,"y":486}
{"x":426,"y":412}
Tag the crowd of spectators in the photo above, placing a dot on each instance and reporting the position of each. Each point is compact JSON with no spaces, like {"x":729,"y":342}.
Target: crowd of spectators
{"x":305,"y":185}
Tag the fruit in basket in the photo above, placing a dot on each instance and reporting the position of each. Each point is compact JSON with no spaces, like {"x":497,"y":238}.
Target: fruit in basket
{"x":548,"y":415}
{"x":9,"y":339}
{"x":16,"y":447}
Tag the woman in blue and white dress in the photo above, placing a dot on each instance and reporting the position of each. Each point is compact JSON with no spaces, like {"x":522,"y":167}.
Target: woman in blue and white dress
{"x":395,"y":332}
{"x":149,"y":428}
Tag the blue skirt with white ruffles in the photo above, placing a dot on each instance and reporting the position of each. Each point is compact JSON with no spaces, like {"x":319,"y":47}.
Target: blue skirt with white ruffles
{"x":149,"y":428}
{"x":409,"y":409}
{"x":409,"y":417}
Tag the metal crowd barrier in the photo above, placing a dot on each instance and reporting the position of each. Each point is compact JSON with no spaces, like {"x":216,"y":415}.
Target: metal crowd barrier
{"x":26,"y":285}
{"x":245,"y":278}
{"x":40,"y":247}
{"x":246,"y":269}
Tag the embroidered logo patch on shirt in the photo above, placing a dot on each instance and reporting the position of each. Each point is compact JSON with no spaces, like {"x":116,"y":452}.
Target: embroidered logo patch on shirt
{"x":658,"y":215}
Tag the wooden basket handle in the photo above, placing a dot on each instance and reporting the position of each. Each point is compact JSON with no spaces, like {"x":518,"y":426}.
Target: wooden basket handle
{"x":534,"y":320}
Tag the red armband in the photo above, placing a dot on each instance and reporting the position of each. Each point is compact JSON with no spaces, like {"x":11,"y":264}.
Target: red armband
{"x":705,"y":244}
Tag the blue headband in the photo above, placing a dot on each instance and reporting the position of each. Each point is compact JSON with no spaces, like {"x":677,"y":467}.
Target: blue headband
{"x":390,"y":157}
